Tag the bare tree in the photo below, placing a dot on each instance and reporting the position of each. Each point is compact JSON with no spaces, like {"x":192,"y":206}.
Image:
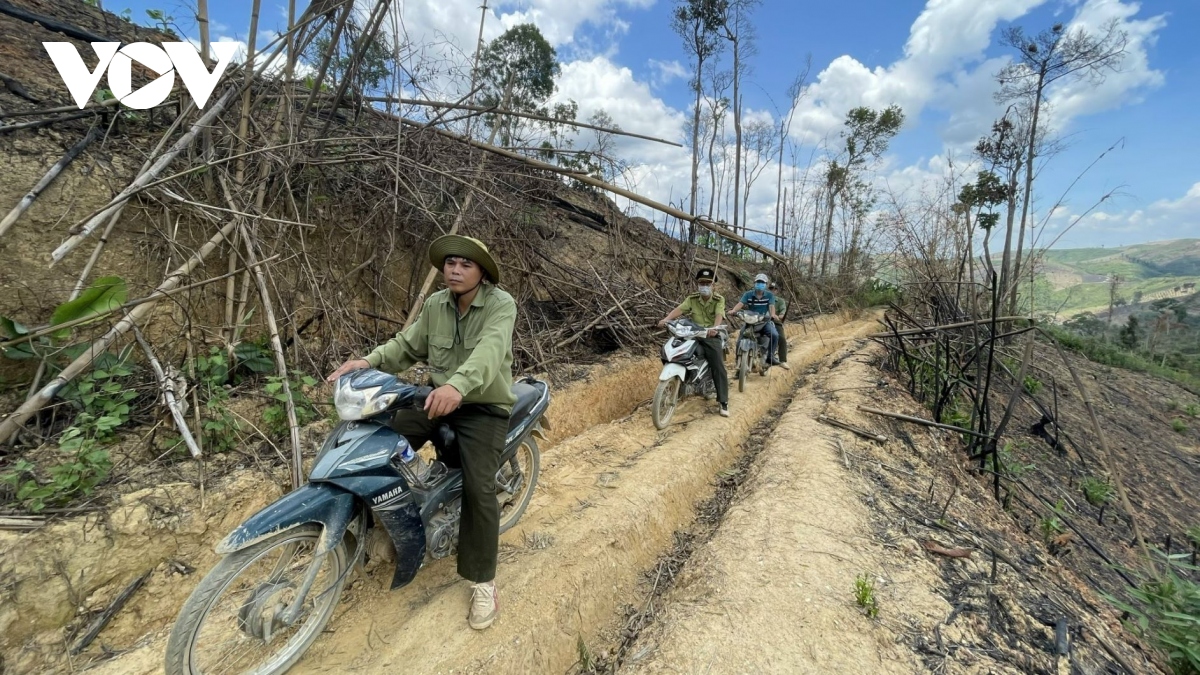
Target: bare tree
{"x":740,"y":33}
{"x":794,"y":93}
{"x":697,"y":22}
{"x":759,"y":149}
{"x":1051,"y":56}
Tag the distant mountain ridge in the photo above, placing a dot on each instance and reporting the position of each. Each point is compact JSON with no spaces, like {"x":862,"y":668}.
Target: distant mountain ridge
{"x":1073,"y":280}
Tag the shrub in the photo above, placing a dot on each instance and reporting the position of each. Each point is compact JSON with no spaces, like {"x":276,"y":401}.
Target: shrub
{"x":1097,"y":491}
{"x":1166,"y":610}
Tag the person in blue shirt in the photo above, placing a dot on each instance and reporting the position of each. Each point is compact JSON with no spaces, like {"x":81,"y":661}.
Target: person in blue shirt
{"x":762,"y":301}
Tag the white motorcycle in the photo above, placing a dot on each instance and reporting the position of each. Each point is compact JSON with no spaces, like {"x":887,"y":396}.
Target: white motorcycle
{"x":685,"y":372}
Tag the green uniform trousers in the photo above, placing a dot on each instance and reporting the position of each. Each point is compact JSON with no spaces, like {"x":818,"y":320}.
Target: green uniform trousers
{"x":782,"y":356}
{"x":713,"y":354}
{"x":481,"y":431}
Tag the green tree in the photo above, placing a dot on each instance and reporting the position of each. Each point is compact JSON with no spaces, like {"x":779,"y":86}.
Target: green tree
{"x":1051,"y":56}
{"x":866,"y":137}
{"x":517,"y":72}
{"x":1131,"y":334}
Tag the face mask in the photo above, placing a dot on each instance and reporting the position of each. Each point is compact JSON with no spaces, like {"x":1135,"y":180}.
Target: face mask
{"x":706,"y":290}
{"x":760,"y":286}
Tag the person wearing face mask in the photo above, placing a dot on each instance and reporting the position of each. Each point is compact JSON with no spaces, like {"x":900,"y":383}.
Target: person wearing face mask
{"x":762,"y":301}
{"x":706,"y":307}
{"x":781,"y":307}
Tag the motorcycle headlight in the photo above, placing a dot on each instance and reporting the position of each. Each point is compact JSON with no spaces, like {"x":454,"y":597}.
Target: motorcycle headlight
{"x":357,"y":404}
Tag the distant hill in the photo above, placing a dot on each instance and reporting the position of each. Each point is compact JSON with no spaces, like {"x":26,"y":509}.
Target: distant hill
{"x":1075,"y":280}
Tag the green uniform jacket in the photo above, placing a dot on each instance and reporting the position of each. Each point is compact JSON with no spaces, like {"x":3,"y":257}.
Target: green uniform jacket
{"x":707,"y":313}
{"x":781,"y":306}
{"x":472,"y":353}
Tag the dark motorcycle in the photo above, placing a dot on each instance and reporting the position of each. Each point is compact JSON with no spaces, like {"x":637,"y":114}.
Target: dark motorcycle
{"x":685,"y":372}
{"x":753,"y":345}
{"x":284,"y":569}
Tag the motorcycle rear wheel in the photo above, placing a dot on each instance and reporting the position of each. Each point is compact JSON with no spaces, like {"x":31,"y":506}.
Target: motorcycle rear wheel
{"x":263,"y":598}
{"x":529,"y":460}
{"x":666,"y":399}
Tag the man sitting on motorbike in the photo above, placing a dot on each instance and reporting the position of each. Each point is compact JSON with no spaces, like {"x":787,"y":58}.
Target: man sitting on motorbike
{"x":762,"y":301}
{"x":464,"y":333}
{"x":781,"y":307}
{"x":706,"y":308}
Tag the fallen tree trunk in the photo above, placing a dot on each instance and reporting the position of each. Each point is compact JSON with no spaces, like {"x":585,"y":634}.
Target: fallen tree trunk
{"x":595,"y":182}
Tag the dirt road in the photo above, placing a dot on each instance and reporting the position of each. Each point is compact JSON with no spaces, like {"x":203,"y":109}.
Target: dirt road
{"x":773,"y":590}
{"x":607,"y":505}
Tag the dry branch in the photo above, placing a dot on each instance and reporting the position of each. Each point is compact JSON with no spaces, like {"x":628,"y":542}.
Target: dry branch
{"x":157,"y":295}
{"x":146,"y":176}
{"x":850,"y":427}
{"x":168,"y":389}
{"x":53,"y":173}
{"x":918,"y":420}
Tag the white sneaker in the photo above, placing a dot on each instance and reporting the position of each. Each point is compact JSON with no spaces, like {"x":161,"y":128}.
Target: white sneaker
{"x":484,"y":605}
{"x":724,"y":410}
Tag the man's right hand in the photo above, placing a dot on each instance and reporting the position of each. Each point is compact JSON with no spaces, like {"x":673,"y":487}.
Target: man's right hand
{"x":352,"y":364}
{"x":662,"y":323}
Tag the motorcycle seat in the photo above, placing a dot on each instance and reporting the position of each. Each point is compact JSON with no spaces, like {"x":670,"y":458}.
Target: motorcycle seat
{"x":527,"y":397}
{"x":446,"y":441}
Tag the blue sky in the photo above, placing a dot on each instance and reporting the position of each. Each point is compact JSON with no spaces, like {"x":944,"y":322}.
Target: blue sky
{"x":934,"y":58}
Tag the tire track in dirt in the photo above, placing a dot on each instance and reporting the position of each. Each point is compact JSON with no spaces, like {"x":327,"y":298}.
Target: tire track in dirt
{"x":607,"y":504}
{"x":772,"y":589}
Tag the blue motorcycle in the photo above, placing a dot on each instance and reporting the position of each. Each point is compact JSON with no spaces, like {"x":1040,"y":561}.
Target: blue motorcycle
{"x":283,"y":570}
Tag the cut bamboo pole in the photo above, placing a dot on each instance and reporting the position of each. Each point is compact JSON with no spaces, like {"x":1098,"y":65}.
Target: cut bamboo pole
{"x":47,"y":179}
{"x":168,"y":390}
{"x":513,"y":113}
{"x":595,"y":182}
{"x":147,"y":176}
{"x":14,"y":421}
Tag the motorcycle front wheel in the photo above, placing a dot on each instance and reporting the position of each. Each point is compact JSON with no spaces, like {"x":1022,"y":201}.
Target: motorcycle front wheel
{"x":666,"y":398}
{"x":231,"y":622}
{"x":743,"y":370}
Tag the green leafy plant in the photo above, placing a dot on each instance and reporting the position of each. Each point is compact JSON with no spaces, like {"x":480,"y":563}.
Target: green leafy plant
{"x":864,"y":595}
{"x":275,"y":416}
{"x":1179,"y":426}
{"x":162,"y":22}
{"x":103,"y":399}
{"x":1166,"y":611}
{"x":1049,"y":527}
{"x":1097,"y":491}
{"x":1032,"y":385}
{"x":1010,"y":464}
{"x":1192,"y":410}
{"x":1193,"y":535}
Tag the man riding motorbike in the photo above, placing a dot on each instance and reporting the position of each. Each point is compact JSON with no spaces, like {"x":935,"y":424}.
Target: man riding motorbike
{"x":781,"y":307}
{"x":762,"y":301}
{"x":464,"y":333}
{"x":706,"y":308}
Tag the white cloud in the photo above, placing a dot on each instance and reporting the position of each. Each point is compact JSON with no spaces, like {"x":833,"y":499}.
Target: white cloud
{"x":665,"y":72}
{"x":1134,"y":75}
{"x":947,"y":36}
{"x":1159,"y":220}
